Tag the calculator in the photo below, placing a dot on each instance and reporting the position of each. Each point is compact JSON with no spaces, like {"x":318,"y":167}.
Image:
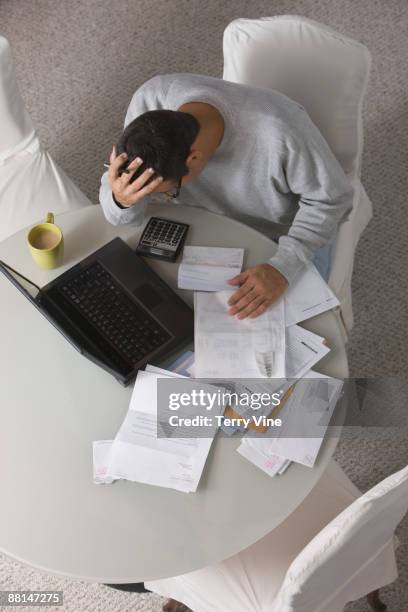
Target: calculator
{"x":162,"y":238}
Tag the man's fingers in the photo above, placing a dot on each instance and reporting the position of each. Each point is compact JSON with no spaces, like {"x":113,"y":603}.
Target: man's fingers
{"x":135,"y":163}
{"x":150,"y":187}
{"x":114,"y":166}
{"x":238,"y":295}
{"x":112,"y":155}
{"x":139,"y":183}
{"x":243,"y":302}
{"x":131,"y":169}
{"x":251,"y":307}
{"x":260,"y":310}
{"x":239,"y":279}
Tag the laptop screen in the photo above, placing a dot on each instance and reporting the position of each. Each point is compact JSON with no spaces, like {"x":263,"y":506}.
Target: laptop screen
{"x":30,"y":289}
{"x":56,"y":317}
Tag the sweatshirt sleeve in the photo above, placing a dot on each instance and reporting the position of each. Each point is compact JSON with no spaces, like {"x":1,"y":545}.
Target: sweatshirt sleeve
{"x":116,"y":215}
{"x":325,"y":197}
{"x":147,"y":97}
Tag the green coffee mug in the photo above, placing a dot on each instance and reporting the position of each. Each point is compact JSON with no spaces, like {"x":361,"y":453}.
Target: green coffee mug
{"x":46,"y":244}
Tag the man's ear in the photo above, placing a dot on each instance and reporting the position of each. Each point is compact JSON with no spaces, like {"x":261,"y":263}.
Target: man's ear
{"x":194,"y":157}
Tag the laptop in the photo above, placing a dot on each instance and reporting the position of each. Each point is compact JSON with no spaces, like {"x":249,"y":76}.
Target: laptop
{"x":114,"y":309}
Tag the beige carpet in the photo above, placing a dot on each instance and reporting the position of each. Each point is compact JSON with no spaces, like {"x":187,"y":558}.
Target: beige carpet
{"x":79,"y":62}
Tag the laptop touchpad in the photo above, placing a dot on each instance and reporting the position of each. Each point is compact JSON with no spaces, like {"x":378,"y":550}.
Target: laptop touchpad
{"x":148,"y":296}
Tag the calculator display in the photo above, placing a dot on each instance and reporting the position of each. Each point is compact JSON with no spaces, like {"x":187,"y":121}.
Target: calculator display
{"x":162,"y":238}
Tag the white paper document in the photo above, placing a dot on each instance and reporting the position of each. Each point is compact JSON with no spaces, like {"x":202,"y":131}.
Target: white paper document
{"x":138,"y":454}
{"x":209,"y":268}
{"x":308,"y":296}
{"x":227,"y":347}
{"x":268,"y":463}
{"x":309,"y":408}
{"x":101,"y":451}
{"x":101,"y":448}
{"x":303,"y":350}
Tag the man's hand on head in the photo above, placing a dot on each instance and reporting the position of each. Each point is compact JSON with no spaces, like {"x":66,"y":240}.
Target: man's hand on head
{"x":260,"y":287}
{"x":128,"y":194}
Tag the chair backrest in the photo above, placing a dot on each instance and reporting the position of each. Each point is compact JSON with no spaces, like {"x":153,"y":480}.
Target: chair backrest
{"x":341,"y":564}
{"x":312,"y":64}
{"x":16,"y":128}
{"x":31,"y":183}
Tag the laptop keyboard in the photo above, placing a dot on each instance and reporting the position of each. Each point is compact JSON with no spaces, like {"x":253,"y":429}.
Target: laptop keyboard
{"x":104,"y":304}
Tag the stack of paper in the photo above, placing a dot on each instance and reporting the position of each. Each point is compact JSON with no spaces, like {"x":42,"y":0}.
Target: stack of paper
{"x":271,"y":464}
{"x":303,"y":350}
{"x":138,"y":454}
{"x":305,"y":417}
{"x":209,"y":268}
{"x":227,"y":347}
{"x":246,"y":412}
{"x":308,"y":296}
{"x":251,"y":348}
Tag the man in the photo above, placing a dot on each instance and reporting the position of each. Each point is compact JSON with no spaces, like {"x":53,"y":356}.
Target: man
{"x":252,"y":154}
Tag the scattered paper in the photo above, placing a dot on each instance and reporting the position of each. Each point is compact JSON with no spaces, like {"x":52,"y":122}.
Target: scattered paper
{"x":268,"y":463}
{"x":138,"y":454}
{"x":227,"y":347}
{"x":308,"y":296}
{"x":303,"y":350}
{"x":306,"y":413}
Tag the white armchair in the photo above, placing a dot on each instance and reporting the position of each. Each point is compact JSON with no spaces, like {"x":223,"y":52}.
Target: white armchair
{"x":320,"y":558}
{"x":31,"y":183}
{"x":327,"y":74}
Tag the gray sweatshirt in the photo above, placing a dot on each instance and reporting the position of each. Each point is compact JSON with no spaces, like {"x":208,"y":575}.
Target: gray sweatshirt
{"x":273,"y":169}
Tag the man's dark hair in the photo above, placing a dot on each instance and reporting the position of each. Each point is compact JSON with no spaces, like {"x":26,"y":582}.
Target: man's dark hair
{"x":162,"y":139}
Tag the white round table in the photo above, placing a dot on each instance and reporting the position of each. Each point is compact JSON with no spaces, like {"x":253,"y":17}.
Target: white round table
{"x":54,"y":403}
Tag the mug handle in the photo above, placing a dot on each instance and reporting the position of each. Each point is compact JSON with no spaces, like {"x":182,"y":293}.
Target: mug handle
{"x":50,"y":218}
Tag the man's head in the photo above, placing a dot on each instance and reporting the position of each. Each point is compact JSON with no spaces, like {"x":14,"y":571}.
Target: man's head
{"x":163,"y":139}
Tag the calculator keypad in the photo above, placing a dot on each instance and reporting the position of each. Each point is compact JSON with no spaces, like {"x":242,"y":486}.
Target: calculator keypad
{"x":163,"y":234}
{"x":162,"y":238}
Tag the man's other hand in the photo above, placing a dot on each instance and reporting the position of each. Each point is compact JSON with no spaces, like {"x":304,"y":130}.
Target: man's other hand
{"x":260,"y":287}
{"x":125,"y":193}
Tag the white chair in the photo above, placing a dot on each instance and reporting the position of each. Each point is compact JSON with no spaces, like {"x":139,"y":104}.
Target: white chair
{"x":327,"y":74}
{"x":31,"y":184}
{"x":314,"y":561}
